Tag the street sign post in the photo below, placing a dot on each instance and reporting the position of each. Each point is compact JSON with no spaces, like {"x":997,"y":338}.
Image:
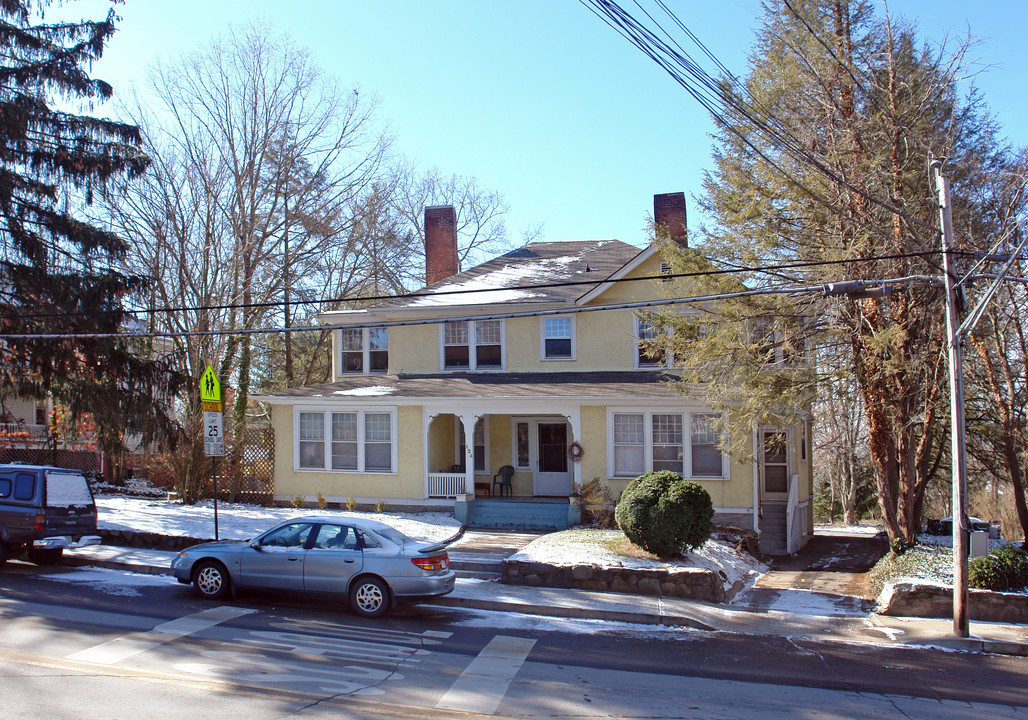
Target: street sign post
{"x":213,"y":429}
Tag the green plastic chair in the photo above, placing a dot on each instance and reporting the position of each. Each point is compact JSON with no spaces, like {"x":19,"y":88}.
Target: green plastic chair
{"x":502,"y":478}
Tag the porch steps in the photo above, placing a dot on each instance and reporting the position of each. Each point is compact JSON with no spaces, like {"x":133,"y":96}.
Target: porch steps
{"x":474,"y":565}
{"x":772,"y":528}
{"x":518,"y":515}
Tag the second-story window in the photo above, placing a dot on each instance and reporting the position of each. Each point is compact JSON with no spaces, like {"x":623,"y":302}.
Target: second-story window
{"x":364,"y":350}
{"x":558,"y":338}
{"x":650,"y":353}
{"x":473,"y":345}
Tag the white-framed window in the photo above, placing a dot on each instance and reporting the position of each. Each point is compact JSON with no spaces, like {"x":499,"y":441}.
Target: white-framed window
{"x":648,"y":356}
{"x":472,"y":344}
{"x":346,"y":441}
{"x":686,"y":443}
{"x":777,"y":341}
{"x":363,"y":351}
{"x":478,"y":442}
{"x":558,"y":338}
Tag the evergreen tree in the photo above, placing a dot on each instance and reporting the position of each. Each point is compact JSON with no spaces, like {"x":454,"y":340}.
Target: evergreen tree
{"x":59,"y":274}
{"x":822,"y":156}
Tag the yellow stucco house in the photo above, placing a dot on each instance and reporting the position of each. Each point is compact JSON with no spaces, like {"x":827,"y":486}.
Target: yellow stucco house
{"x":530,"y":361}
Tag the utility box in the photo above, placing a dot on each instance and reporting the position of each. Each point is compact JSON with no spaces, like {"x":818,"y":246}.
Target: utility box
{"x":979,"y":543}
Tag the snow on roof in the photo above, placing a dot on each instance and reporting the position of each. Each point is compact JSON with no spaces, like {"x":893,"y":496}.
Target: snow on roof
{"x":367,"y":391}
{"x":505,"y":281}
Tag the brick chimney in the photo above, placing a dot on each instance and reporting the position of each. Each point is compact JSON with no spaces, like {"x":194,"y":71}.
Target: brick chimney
{"x":441,"y":259}
{"x":669,"y":213}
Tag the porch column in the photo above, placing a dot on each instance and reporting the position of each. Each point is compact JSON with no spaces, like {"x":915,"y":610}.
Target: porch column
{"x":575,"y":421}
{"x":468,"y":423}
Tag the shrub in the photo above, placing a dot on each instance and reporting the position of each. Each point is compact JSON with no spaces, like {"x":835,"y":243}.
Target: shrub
{"x":664,"y":514}
{"x":1004,"y":568}
{"x":297,"y":501}
{"x":351,"y":504}
{"x":322,"y":501}
{"x":380,"y":506}
{"x":597,"y":505}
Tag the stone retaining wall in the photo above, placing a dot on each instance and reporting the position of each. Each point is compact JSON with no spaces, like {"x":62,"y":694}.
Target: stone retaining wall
{"x":688,"y":583}
{"x":908,"y":598}
{"x":131,"y":538}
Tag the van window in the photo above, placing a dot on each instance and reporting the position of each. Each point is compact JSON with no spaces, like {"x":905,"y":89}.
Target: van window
{"x":5,"y":487}
{"x":24,"y":486}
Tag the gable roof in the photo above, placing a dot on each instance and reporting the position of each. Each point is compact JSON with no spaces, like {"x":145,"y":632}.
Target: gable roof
{"x":503,"y":280}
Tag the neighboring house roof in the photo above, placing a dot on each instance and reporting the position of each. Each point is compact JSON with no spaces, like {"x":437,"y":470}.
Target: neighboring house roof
{"x":504,"y":279}
{"x":598,"y":384}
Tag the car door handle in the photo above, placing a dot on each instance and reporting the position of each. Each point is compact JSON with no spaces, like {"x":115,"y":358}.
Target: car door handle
{"x":293,"y":559}
{"x":349,"y":560}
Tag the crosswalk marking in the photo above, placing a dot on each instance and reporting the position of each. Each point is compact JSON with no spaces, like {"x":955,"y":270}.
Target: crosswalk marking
{"x":483,"y":684}
{"x":114,"y":651}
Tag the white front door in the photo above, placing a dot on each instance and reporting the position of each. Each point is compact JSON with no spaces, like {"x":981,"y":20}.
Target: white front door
{"x":541,"y":446}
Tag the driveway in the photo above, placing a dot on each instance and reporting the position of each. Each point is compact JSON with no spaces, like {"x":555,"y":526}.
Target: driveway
{"x":829,"y":575}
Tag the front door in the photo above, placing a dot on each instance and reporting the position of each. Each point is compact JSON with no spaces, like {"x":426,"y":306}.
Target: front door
{"x":553,"y":472}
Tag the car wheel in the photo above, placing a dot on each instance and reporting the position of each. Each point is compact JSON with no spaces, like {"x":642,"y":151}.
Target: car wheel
{"x":210,"y":579}
{"x":369,"y":597}
{"x":45,"y":557}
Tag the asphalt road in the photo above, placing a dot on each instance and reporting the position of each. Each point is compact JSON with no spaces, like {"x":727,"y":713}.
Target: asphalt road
{"x":146,"y":647}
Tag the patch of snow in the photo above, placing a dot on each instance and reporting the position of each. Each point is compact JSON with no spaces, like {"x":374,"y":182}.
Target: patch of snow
{"x":67,"y":490}
{"x":239,"y":522}
{"x":112,"y":582}
{"x":589,"y":547}
{"x":367,"y":392}
{"x":541,"y":623}
{"x":858,"y":529}
{"x":500,"y":285}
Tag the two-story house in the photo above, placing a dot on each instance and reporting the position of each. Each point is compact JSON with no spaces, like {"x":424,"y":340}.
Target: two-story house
{"x":533,"y":361}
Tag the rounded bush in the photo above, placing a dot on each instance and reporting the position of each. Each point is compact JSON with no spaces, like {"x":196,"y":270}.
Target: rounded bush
{"x":1005,"y":568}
{"x":664,"y":514}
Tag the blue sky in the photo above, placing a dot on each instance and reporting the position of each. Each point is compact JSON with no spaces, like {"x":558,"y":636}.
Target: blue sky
{"x":538,"y":99}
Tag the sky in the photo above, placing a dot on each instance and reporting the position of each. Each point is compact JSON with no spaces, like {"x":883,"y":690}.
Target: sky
{"x":537,"y":99}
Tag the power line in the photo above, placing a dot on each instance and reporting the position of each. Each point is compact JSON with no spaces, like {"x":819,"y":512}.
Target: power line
{"x":737,"y":269}
{"x":819,"y":289}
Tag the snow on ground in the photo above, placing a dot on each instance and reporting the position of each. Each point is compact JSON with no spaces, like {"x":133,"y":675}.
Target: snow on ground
{"x":858,"y":529}
{"x":591,"y":547}
{"x":237,"y":521}
{"x":112,"y":582}
{"x":571,"y":547}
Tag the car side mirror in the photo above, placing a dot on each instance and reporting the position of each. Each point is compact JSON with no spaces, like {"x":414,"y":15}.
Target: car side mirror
{"x":256,"y":545}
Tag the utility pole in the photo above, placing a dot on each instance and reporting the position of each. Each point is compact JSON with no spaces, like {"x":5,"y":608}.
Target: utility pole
{"x":956,"y":394}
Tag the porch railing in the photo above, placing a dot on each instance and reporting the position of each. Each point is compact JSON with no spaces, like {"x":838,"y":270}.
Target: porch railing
{"x":445,"y":485}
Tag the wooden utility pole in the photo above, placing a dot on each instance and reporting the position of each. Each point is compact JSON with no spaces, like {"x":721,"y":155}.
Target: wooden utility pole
{"x":956,"y":394}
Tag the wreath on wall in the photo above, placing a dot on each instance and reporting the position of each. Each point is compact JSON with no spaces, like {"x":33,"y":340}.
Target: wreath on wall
{"x":575,"y":451}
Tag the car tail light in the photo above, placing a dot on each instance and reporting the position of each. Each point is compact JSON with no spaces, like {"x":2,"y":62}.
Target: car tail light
{"x":40,"y":522}
{"x":436,"y":562}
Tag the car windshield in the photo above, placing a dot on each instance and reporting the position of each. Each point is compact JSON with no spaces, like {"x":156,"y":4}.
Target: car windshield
{"x":394,"y":536}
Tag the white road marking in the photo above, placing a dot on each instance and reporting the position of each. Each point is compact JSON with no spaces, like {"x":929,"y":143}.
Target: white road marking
{"x":114,"y":651}
{"x":484,"y":682}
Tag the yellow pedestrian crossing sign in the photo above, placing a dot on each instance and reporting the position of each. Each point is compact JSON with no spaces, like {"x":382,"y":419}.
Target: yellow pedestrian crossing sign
{"x":210,"y":387}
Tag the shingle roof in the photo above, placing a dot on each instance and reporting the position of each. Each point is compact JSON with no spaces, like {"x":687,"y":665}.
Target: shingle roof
{"x":534,"y":264}
{"x":600,"y":384}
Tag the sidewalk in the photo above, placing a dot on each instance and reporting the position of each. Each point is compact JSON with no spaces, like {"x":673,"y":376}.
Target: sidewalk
{"x":618,"y":607}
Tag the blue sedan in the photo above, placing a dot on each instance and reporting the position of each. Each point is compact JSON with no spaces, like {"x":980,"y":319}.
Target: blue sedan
{"x":372,"y":564}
